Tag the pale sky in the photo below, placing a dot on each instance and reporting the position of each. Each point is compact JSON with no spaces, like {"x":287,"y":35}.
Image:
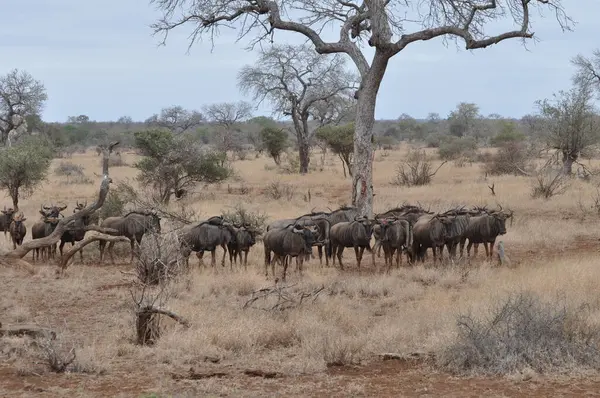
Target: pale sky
{"x":99,"y":58}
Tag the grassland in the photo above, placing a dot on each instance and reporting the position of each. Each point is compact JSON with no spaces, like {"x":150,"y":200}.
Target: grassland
{"x":552,"y":246}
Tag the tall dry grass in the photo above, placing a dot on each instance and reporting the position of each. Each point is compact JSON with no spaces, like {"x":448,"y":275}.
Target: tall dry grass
{"x":356,"y":317}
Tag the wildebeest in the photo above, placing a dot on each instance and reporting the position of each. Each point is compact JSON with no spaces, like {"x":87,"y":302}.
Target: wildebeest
{"x":410,"y":213}
{"x":245,"y":238}
{"x":133,"y":226}
{"x":485,"y":228}
{"x":321,"y":220}
{"x":77,"y":233}
{"x":396,"y":235}
{"x":41,"y":229}
{"x":356,"y":234}
{"x":293,"y":240}
{"x":456,"y":231}
{"x":18,"y":229}
{"x":5,"y":219}
{"x":207,"y":236}
{"x":431,"y":231}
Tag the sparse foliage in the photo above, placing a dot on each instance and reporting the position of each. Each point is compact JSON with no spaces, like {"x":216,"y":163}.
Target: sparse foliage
{"x":572,"y":123}
{"x":523,"y":332}
{"x":23,"y":167}
{"x":548,"y":182}
{"x":227,"y":116}
{"x":340,"y":139}
{"x":463,"y":121}
{"x":512,"y":158}
{"x":454,"y":148}
{"x":387,"y":27}
{"x":588,"y":70}
{"x":299,"y":83}
{"x":20,"y":96}
{"x":417,"y":170}
{"x":279,"y":190}
{"x":242,"y":216}
{"x":274,"y":140}
{"x":171,"y":164}
{"x":176,"y":119}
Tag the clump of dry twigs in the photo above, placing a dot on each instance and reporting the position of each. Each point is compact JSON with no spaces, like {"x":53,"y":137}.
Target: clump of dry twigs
{"x":281,"y":298}
{"x":417,"y":170}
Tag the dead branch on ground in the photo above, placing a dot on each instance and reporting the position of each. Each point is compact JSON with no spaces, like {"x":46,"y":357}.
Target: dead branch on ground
{"x":283,"y":297}
{"x":32,"y":331}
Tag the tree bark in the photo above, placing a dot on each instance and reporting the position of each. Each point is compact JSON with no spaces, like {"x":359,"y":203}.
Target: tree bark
{"x":362,"y":176}
{"x":304,"y":153}
{"x":568,"y":159}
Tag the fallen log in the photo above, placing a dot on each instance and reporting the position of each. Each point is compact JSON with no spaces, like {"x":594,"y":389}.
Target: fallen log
{"x":33,"y":331}
{"x":64,"y":261}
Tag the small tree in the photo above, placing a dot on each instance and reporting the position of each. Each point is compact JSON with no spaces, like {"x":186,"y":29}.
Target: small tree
{"x":20,"y":96}
{"x":228,"y":115}
{"x":463,"y":120}
{"x":274,"y":140}
{"x":171,"y":164}
{"x":571,"y":123}
{"x":23,"y":167}
{"x":340,"y":139}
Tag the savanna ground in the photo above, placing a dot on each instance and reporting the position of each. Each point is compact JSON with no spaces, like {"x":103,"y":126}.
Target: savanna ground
{"x":329,"y":347}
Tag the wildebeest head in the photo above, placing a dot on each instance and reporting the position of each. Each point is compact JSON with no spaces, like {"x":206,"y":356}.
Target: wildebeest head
{"x":366,"y":223}
{"x":79,"y":206}
{"x":52,"y":211}
{"x":9,"y":213}
{"x":252,"y":233}
{"x":309,"y":234}
{"x":18,"y":219}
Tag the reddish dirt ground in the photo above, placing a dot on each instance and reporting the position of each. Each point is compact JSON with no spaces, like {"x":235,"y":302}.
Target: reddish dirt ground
{"x":391,"y":378}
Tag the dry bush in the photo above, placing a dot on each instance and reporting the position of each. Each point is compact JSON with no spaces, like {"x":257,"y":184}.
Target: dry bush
{"x":117,"y":161}
{"x":548,"y":183}
{"x":278,"y":190}
{"x":291,"y":164}
{"x":240,"y":215}
{"x":243,"y":189}
{"x":160,"y":259}
{"x":57,"y":354}
{"x":511,"y":159}
{"x":416,"y":171}
{"x":523,"y":332}
{"x":73,"y":172}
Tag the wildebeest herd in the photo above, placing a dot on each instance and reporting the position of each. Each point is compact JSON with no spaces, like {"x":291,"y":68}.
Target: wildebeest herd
{"x":407,"y":229}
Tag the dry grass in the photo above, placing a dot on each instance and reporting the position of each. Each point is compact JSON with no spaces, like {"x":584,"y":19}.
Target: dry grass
{"x":356,"y":317}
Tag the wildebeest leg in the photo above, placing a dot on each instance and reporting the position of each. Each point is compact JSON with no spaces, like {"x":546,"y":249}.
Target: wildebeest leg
{"x":285,"y":267}
{"x":132,"y":245}
{"x":213,"y":257}
{"x":476,"y":249}
{"x":320,"y":251}
{"x":357,"y":256}
{"x":200,"y":256}
{"x":398,"y":256}
{"x":245,"y":258}
{"x":80,"y":252}
{"x":267,"y":262}
{"x":462,"y":246}
{"x":340,"y":250}
{"x":110,"y":252}
{"x":487,"y":251}
{"x":469,"y":249}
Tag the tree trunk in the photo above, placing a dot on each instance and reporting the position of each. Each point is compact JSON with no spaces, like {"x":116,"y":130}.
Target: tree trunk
{"x":568,"y":159}
{"x":304,"y":153}
{"x":15,"y":199}
{"x":362,"y":176}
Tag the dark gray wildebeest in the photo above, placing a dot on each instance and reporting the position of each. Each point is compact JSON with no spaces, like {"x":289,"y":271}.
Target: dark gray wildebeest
{"x":356,"y":234}
{"x":245,"y":238}
{"x":456,"y":231}
{"x":5,"y":219}
{"x":293,"y":240}
{"x":410,"y":213}
{"x":207,"y":236}
{"x":50,"y":217}
{"x":321,"y":220}
{"x":485,"y":228}
{"x":77,"y":232}
{"x":133,"y":226}
{"x":431,"y":231}
{"x":18,"y":229}
{"x":396,"y":236}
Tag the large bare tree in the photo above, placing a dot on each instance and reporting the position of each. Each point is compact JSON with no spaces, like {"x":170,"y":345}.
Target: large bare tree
{"x":388,"y":26}
{"x":20,"y":96}
{"x":295,"y":79}
{"x":588,"y":70}
{"x":227,"y":115}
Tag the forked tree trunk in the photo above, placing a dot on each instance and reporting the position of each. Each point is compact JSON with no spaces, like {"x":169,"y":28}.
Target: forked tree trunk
{"x":362,"y":176}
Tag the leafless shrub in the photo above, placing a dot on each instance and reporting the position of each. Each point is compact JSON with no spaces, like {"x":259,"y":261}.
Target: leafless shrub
{"x":57,"y":355}
{"x":243,"y":189}
{"x":512,"y":158}
{"x":240,"y":215}
{"x":73,"y":172}
{"x":524,"y":332}
{"x":415,"y":171}
{"x":278,"y":190}
{"x":281,"y":298}
{"x":160,"y":258}
{"x":548,"y":183}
